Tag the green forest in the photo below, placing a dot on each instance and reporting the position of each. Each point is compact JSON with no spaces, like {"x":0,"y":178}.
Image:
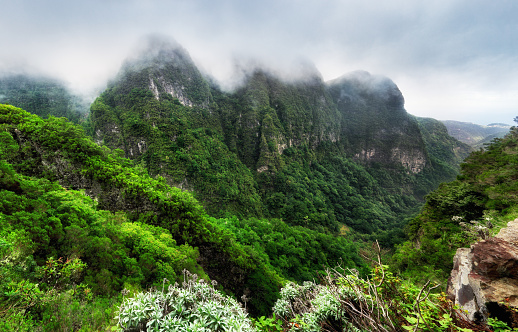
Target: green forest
{"x":173,"y":205}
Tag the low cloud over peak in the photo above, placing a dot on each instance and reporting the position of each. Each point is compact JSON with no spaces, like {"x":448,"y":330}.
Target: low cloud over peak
{"x":450,"y":58}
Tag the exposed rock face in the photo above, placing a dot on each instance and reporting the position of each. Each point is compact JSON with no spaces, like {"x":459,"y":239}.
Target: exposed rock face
{"x":375,"y":124}
{"x":484,"y":279}
{"x":510,"y":233}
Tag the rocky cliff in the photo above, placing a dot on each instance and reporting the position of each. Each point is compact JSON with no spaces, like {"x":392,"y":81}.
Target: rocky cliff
{"x":362,"y":113}
{"x":375,"y":124}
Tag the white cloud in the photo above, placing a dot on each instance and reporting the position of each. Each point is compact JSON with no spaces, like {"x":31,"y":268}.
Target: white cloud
{"x":455,"y":58}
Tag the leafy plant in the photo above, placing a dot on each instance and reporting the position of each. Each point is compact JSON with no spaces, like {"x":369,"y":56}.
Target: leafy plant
{"x":381,"y":302}
{"x":499,"y":326}
{"x":193,"y":306}
{"x":268,"y":324}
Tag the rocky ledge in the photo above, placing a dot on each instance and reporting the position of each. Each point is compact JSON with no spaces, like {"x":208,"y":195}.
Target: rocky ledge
{"x":484,"y":279}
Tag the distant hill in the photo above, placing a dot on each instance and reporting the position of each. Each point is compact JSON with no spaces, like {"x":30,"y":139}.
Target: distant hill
{"x":474,"y":134}
{"x":43,"y":96}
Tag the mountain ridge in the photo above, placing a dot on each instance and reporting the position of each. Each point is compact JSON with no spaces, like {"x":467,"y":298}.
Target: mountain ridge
{"x":250,"y":151}
{"x":274,"y":132}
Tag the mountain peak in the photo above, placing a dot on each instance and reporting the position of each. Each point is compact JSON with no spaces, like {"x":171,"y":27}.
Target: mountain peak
{"x":157,"y":50}
{"x":361,"y":82}
{"x":163,"y":66}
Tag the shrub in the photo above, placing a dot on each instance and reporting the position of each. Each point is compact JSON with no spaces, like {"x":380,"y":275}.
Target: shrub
{"x":193,"y":306}
{"x":382,"y":302}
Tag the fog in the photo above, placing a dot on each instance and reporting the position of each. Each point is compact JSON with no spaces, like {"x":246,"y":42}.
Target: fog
{"x":454,"y":59}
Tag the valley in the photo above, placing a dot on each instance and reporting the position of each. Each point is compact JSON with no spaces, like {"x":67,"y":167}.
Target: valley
{"x":168,"y":179}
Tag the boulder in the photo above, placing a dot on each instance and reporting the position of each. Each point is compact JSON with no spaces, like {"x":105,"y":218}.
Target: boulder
{"x":484,"y":279}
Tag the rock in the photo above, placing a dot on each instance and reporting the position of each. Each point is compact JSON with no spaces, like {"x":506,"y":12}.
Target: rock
{"x":510,"y":233}
{"x":484,"y":279}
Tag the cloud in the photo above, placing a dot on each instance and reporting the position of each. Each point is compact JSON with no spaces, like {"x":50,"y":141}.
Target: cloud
{"x":445,"y":53}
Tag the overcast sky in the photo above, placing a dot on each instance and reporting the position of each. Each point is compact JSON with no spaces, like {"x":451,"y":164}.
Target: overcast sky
{"x":452,"y":59}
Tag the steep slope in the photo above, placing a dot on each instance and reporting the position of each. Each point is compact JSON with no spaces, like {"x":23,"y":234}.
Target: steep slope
{"x":267,"y":115}
{"x":458,"y":213}
{"x":164,"y":67}
{"x":375,"y":124}
{"x":446,"y":153}
{"x":43,"y":96}
{"x":321,"y":155}
{"x":56,"y":150}
{"x":157,"y":111}
{"x":440,"y":145}
{"x":295,"y":141}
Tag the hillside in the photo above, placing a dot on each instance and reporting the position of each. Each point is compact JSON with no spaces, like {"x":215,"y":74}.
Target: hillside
{"x":317,"y":154}
{"x":89,"y":241}
{"x":478,"y":203}
{"x":81,"y":164}
{"x":64,"y":197}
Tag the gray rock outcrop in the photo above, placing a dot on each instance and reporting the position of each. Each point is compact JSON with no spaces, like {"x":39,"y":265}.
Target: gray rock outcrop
{"x":484,"y":279}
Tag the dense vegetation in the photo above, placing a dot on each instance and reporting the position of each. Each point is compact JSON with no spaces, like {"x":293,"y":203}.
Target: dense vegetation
{"x":483,"y":197}
{"x":166,"y":138}
{"x":341,"y":301}
{"x":338,"y":156}
{"x":60,"y":245}
{"x":70,"y":260}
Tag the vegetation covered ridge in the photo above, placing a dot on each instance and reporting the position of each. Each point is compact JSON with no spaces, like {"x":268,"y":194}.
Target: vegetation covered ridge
{"x":43,"y":96}
{"x":477,"y":204}
{"x":316,"y":154}
{"x":80,"y":223}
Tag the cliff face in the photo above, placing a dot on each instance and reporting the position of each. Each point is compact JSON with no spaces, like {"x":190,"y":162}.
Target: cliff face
{"x":270,"y":115}
{"x":364,"y":114}
{"x":375,"y":124}
{"x":165,"y":67}
{"x":164,"y":71}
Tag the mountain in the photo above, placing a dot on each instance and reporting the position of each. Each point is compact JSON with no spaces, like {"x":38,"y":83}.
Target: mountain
{"x":43,"y":96}
{"x":374,"y":123}
{"x":172,"y":179}
{"x":318,"y":154}
{"x":445,"y":152}
{"x":474,"y":134}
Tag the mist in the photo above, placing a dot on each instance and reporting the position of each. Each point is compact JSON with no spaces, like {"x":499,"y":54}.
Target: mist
{"x":453,"y":59}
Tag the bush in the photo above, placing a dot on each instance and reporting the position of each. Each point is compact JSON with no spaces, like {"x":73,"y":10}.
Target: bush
{"x":194,"y":306}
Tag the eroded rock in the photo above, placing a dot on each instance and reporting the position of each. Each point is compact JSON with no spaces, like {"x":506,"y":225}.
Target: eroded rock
{"x":484,"y":279}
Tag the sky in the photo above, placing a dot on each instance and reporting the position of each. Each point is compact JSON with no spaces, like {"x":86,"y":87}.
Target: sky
{"x":451,"y":59}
